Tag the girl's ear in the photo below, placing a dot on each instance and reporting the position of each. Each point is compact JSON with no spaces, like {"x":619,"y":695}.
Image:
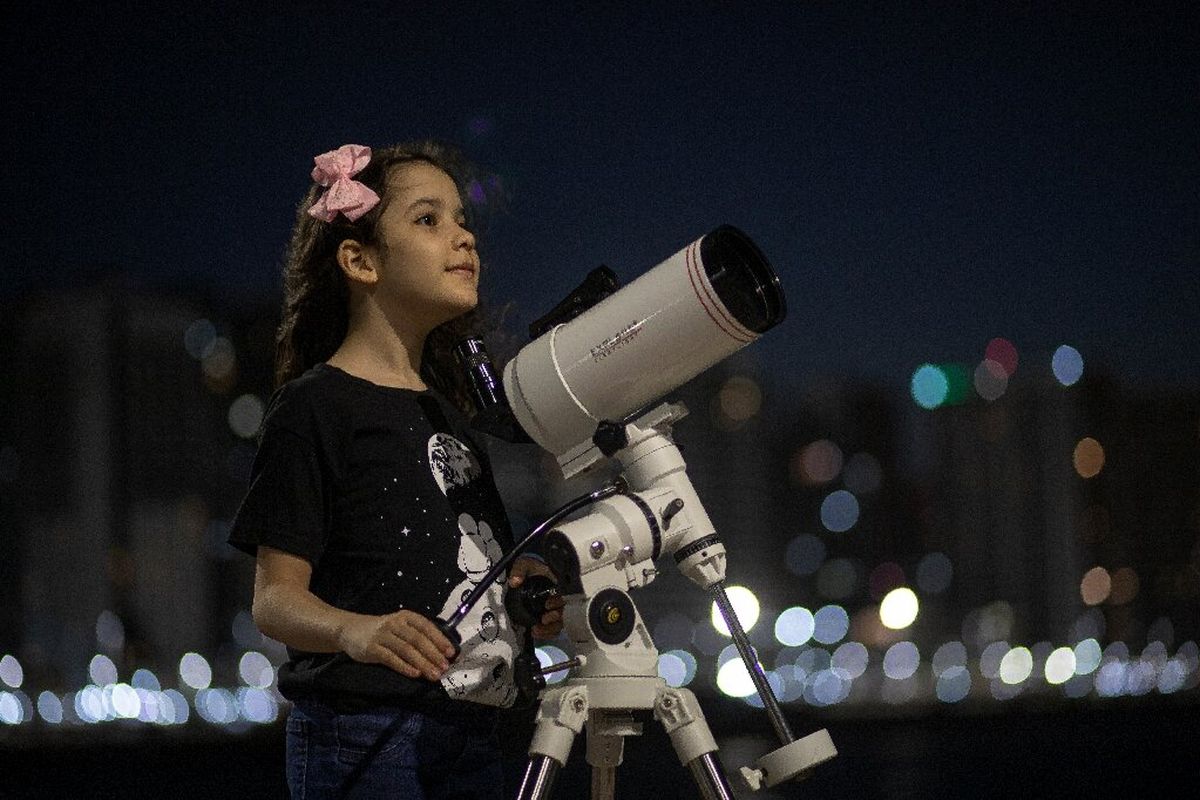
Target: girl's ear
{"x":357,"y":262}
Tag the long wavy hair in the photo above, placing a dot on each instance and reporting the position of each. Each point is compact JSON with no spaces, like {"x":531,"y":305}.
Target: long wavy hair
{"x":316,"y":307}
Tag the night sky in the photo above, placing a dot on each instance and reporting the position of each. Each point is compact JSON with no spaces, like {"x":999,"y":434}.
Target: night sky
{"x":924,"y":177}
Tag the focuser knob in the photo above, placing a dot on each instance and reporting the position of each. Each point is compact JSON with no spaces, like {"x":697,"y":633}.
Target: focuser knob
{"x":527,"y":603}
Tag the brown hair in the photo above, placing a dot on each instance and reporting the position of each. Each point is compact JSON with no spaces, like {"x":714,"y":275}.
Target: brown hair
{"x":316,"y":314}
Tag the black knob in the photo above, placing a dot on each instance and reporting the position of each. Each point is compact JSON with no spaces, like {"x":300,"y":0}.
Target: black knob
{"x":610,"y":437}
{"x":527,"y":603}
{"x":528,"y":678}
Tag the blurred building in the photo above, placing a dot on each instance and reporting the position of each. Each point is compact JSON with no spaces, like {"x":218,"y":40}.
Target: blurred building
{"x":1054,"y":499}
{"x":123,"y":443}
{"x":1002,"y":500}
{"x":128,"y":437}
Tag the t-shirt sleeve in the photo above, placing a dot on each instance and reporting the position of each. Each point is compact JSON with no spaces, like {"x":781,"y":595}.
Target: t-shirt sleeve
{"x":286,"y":506}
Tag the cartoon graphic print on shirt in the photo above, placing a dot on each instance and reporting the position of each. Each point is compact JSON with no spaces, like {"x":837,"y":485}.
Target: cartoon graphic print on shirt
{"x":482,"y":672}
{"x":453,"y":465}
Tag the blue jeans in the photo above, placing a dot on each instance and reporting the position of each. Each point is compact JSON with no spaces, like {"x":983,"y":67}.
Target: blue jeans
{"x":390,"y":753}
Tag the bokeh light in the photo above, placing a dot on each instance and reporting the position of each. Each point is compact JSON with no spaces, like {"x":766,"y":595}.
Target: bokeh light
{"x":804,"y":554}
{"x":194,"y":671}
{"x":199,"y":339}
{"x":816,"y":463}
{"x":827,"y":687}
{"x":734,"y":680}
{"x":950,"y":654}
{"x":901,"y":660}
{"x":256,"y":705}
{"x":548,"y":655}
{"x":11,"y":710}
{"x":220,"y":365}
{"x":110,"y":632}
{"x":991,"y":380}
{"x":990,"y":658}
{"x":1067,"y":365}
{"x":839,"y":511}
{"x":745,"y":606}
{"x":677,"y":667}
{"x":1095,"y":586}
{"x":929,"y":386}
{"x":216,"y":706}
{"x":851,"y":658}
{"x":1003,"y":353}
{"x":102,"y":670}
{"x":1060,"y":666}
{"x":740,"y":398}
{"x":1016,"y":666}
{"x":146,"y":680}
{"x":50,"y":707}
{"x":794,"y":626}
{"x":830,"y":624}
{"x":953,"y":684}
{"x":11,"y":673}
{"x":899,"y":608}
{"x":124,"y":700}
{"x":1088,"y":457}
{"x":246,"y":415}
{"x":255,"y":670}
{"x":958,"y":383}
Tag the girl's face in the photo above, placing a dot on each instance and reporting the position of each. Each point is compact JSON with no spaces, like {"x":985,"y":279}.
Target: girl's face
{"x":428,"y":267}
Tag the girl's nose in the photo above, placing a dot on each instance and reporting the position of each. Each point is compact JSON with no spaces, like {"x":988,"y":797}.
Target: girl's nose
{"x":464,"y":238}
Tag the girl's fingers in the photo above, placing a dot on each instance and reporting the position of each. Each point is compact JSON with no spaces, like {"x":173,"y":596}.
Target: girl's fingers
{"x":546,"y":631}
{"x":390,"y":659}
{"x":432,"y":633}
{"x":423,"y":654}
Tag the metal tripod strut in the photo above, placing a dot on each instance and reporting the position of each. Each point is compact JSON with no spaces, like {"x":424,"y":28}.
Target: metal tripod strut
{"x":717,"y":590}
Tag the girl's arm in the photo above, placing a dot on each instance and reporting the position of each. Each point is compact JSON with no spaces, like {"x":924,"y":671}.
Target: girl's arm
{"x":288,"y":612}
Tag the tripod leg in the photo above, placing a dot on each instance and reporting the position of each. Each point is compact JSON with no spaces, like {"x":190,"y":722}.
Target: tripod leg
{"x":606,"y":732}
{"x":540,"y":775}
{"x":680,"y":714}
{"x":561,"y":716}
{"x":604,"y":783}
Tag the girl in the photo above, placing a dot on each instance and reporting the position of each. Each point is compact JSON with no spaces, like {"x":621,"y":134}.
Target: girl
{"x":370,"y":509}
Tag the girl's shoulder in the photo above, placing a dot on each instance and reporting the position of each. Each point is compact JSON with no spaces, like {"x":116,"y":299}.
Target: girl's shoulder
{"x":306,"y":403}
{"x":326,"y":397}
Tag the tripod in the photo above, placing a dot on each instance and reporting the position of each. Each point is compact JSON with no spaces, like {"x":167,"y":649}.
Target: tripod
{"x":596,"y":558}
{"x":605,"y":706}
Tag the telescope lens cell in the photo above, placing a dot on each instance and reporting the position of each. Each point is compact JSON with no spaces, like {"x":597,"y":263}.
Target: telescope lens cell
{"x":743,"y":279}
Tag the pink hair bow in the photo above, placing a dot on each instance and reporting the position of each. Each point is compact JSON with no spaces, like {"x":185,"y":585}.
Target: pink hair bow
{"x":336,"y":170}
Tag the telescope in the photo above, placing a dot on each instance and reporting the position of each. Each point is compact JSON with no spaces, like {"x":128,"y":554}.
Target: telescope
{"x":589,"y":388}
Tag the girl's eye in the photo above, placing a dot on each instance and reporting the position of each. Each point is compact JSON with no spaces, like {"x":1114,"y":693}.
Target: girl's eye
{"x":426,"y":219}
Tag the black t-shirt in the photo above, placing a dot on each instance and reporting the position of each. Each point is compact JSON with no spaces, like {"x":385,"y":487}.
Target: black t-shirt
{"x":384,"y":492}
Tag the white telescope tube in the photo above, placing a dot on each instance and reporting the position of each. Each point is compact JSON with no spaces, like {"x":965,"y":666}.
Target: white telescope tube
{"x":707,"y":301}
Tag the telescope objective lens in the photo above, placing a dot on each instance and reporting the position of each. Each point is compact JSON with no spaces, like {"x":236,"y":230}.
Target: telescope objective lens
{"x":743,"y":279}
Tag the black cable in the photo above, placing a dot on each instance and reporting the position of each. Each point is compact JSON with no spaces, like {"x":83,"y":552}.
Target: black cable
{"x":450,"y":625}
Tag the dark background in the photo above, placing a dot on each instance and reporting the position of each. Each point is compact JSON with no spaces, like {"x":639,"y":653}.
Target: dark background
{"x":924,"y":178}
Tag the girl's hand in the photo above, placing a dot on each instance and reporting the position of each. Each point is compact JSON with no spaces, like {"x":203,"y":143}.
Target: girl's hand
{"x":405,"y":641}
{"x":552,"y":621}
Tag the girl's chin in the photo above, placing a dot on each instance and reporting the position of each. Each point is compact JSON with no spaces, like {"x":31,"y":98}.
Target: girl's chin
{"x":458,"y":306}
